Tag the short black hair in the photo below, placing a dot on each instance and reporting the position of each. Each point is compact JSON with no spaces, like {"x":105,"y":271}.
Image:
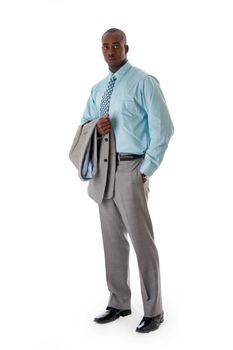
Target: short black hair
{"x":113,"y":30}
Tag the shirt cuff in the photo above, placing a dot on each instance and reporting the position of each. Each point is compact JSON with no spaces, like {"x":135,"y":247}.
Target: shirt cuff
{"x":147,"y":167}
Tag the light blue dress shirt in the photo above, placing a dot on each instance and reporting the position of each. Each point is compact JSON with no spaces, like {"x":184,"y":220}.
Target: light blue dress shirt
{"x":138,"y":113}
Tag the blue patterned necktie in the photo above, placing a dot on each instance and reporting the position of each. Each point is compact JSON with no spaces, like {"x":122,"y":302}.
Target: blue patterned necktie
{"x":105,"y":102}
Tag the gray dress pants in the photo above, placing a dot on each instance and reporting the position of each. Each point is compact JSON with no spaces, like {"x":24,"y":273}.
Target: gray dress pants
{"x":127,"y":213}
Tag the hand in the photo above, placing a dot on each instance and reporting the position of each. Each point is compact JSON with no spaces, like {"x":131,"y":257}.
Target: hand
{"x":104,"y":125}
{"x":144,"y":178}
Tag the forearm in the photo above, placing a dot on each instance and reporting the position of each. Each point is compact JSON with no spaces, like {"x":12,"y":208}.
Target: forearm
{"x":153,"y":160}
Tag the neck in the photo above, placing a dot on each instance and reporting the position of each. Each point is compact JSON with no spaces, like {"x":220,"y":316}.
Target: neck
{"x":115,"y":69}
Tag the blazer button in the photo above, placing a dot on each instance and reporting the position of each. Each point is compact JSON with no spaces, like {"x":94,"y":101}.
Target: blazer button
{"x":105,"y":160}
{"x":106,"y":139}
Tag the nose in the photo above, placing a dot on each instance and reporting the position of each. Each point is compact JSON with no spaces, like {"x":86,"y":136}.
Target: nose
{"x":110,"y":52}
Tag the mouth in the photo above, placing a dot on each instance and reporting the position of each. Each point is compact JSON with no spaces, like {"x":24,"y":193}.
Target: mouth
{"x":110,"y":59}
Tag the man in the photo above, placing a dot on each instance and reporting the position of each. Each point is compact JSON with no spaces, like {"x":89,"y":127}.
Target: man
{"x":129,"y":103}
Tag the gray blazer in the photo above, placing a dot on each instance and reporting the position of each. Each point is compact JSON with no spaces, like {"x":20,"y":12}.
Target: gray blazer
{"x":103,"y":156}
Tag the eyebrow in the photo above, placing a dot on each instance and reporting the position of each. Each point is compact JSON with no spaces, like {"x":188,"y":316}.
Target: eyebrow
{"x":116,"y":42}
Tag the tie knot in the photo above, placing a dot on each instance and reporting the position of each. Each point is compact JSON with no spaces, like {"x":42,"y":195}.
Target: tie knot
{"x":113,"y":77}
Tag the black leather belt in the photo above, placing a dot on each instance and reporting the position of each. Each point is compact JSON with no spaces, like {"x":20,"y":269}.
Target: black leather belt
{"x":121,"y":156}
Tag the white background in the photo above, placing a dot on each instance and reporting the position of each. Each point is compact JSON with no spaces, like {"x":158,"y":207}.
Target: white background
{"x":52,"y":264}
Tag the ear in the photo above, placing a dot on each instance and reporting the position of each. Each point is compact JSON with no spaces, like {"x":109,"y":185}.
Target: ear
{"x":126,"y":48}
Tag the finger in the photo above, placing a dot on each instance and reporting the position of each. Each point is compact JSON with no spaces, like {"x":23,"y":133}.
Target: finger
{"x":105,"y":130}
{"x":104,"y":116}
{"x":104,"y":124}
{"x":107,"y":127}
{"x":102,"y":129}
{"x":103,"y":119}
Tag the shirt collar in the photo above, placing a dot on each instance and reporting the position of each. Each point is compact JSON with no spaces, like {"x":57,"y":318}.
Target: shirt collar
{"x":120,"y":72}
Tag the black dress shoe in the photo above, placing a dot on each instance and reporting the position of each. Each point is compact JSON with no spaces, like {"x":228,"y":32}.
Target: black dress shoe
{"x":149,"y":324}
{"x":111,"y":314}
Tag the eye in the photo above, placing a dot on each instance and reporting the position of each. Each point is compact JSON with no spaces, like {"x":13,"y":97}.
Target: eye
{"x":104,"y":47}
{"x":116,"y":46}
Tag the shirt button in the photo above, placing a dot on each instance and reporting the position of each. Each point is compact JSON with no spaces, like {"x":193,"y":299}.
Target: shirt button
{"x":105,"y":160}
{"x":106,"y":139}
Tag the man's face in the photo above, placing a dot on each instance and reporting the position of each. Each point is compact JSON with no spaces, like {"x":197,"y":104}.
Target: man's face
{"x":114,"y":50}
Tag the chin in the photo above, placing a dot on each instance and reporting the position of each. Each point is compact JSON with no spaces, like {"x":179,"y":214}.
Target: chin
{"x":113,"y":67}
{"x":112,"y":64}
